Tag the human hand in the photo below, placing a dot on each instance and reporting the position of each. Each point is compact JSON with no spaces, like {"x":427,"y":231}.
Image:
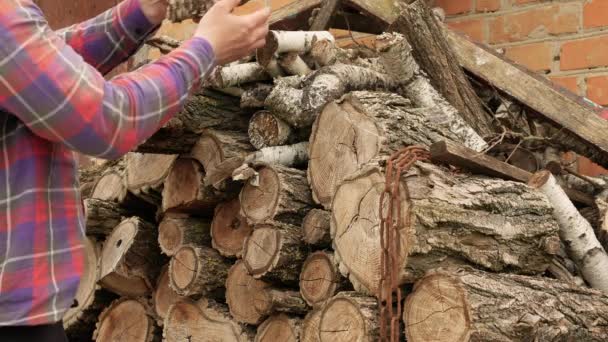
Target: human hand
{"x":231,"y":36}
{"x":154,"y":10}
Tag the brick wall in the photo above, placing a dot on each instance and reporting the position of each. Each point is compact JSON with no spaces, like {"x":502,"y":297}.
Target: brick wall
{"x":567,"y":40}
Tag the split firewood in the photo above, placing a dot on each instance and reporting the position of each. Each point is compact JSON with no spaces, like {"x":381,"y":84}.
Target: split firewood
{"x":396,"y":56}
{"x":316,"y":228}
{"x":293,"y":64}
{"x":275,"y":252}
{"x":130,"y":259}
{"x":502,"y":307}
{"x":282,"y":195}
{"x":454,"y":219}
{"x":578,"y":235}
{"x":198,"y":271}
{"x":111,"y":186}
{"x":185,"y":190}
{"x":164,"y":296}
{"x":204,"y":110}
{"x":299,"y":105}
{"x":350,"y":316}
{"x":418,"y":24}
{"x":79,"y":320}
{"x":320,"y":278}
{"x":203,"y":320}
{"x":251,"y":300}
{"x":102,"y":216}
{"x":278,"y":42}
{"x":237,"y":75}
{"x":366,"y":126}
{"x":146,"y":173}
{"x":164,"y":43}
{"x":177,"y":230}
{"x":127,"y":319}
{"x":280,"y":328}
{"x":255,"y":95}
{"x":229,"y":229}
{"x":180,"y":10}
{"x":310,"y":326}
{"x":265,"y":129}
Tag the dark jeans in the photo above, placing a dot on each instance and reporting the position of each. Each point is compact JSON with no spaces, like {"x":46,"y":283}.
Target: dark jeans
{"x":36,"y":333}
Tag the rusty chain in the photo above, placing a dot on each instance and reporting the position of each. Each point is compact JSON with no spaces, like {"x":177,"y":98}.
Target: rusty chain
{"x":400,"y":162}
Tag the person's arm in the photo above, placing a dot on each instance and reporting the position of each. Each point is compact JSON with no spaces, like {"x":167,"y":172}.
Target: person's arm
{"x":61,"y":98}
{"x":112,"y":37}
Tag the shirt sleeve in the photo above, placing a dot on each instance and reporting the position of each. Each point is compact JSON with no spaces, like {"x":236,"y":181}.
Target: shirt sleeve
{"x":61,"y":98}
{"x":110,"y":38}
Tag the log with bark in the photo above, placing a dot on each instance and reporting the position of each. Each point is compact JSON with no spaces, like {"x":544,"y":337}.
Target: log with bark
{"x":102,"y":216}
{"x":207,"y":109}
{"x":278,"y":42}
{"x":237,"y":75}
{"x":316,"y":228}
{"x":350,"y":316}
{"x":275,"y":252}
{"x":254,"y":96}
{"x":229,"y":229}
{"x":177,"y":230}
{"x":251,"y":300}
{"x":203,"y":320}
{"x":198,"y":271}
{"x":79,"y":320}
{"x":320,"y":278}
{"x":363,"y":127}
{"x":127,"y":320}
{"x":265,"y":129}
{"x":145,"y":174}
{"x":111,"y":186}
{"x":164,"y":296}
{"x":453,"y":219}
{"x":185,"y":190}
{"x":130,"y":259}
{"x":180,"y":10}
{"x":280,"y":328}
{"x":482,"y":306}
{"x":282,"y":195}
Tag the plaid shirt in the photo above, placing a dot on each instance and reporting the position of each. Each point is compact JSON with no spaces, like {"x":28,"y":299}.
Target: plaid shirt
{"x":52,"y":86}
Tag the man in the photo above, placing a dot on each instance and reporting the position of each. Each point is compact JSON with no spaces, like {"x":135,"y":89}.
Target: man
{"x":53,"y":101}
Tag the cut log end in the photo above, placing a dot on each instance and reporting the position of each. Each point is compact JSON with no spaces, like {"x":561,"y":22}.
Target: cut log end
{"x":198,"y":271}
{"x":184,"y":266}
{"x":182,"y":184}
{"x":259,"y":203}
{"x":229,"y":229}
{"x":310,"y":326}
{"x":241,"y":290}
{"x":266,"y":54}
{"x":349,"y":317}
{"x":539,"y":179}
{"x":170,"y":236}
{"x":125,"y":317}
{"x":319,"y":278}
{"x":164,"y":296}
{"x":110,"y":187}
{"x":316,"y":228}
{"x":437,"y":300}
{"x":267,"y":130}
{"x":261,"y":250}
{"x":279,"y":328}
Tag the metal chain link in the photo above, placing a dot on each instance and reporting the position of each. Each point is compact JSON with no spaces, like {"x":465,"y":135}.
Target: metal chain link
{"x":390,"y":225}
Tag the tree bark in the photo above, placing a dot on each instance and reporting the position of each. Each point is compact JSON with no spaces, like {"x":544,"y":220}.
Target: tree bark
{"x":205,"y":110}
{"x":293,"y":64}
{"x":127,"y":319}
{"x":501,"y":307}
{"x":164,"y":296}
{"x":350,"y":316}
{"x":79,"y":320}
{"x":237,"y":75}
{"x":278,"y":42}
{"x":364,"y":127}
{"x":102,"y":216}
{"x":130,"y":258}
{"x":265,"y":130}
{"x":229,"y":229}
{"x":451,"y":219}
{"x":282,"y":195}
{"x":180,"y":10}
{"x":146,"y":173}
{"x":251,"y":300}
{"x":316,"y":228}
{"x":185,"y":190}
{"x":320,"y":279}
{"x":203,"y":320}
{"x":176,"y":231}
{"x":198,"y":271}
{"x":310,"y":326}
{"x":279,"y":328}
{"x":275,"y":252}
{"x":254,"y":96}
{"x":419,"y":25}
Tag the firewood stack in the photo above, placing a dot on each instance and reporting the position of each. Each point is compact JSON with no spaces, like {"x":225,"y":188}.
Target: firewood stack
{"x":254,"y":215}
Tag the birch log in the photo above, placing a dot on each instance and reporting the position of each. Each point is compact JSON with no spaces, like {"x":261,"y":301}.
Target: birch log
{"x":278,"y":42}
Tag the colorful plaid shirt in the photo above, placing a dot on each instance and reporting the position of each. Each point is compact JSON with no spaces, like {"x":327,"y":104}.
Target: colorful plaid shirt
{"x":53,"y":101}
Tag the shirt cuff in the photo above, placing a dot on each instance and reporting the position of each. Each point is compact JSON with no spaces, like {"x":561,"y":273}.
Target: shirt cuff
{"x":203,"y":50}
{"x":133,"y":22}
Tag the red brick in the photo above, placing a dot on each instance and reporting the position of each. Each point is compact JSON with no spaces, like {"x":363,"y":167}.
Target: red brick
{"x":584,"y":53}
{"x":570,"y":83}
{"x":488,"y":5}
{"x":595,"y":13}
{"x":536,"y":56}
{"x":536,"y":22}
{"x":597,"y":89}
{"x":472,"y":28}
{"x":589,"y":168}
{"x":453,"y":7}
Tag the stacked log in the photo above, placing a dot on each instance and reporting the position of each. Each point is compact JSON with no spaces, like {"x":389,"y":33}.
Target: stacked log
{"x":255,"y":214}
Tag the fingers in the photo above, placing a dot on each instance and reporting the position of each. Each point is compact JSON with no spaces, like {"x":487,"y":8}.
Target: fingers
{"x":227,"y":5}
{"x":259,"y":33}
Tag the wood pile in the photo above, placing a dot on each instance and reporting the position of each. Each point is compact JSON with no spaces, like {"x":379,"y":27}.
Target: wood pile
{"x":257,"y":213}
